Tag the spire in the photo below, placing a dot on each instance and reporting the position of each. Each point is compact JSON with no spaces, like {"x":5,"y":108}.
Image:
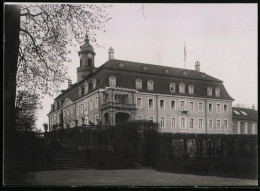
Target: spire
{"x":86,"y":38}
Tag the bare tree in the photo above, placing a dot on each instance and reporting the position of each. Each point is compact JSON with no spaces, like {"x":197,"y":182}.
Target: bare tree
{"x":36,"y":43}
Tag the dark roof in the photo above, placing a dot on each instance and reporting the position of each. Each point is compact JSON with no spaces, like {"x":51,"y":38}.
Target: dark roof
{"x":131,"y":71}
{"x":157,"y":69}
{"x":251,"y":114}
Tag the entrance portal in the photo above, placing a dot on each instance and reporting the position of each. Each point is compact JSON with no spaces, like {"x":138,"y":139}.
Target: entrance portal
{"x":122,"y":118}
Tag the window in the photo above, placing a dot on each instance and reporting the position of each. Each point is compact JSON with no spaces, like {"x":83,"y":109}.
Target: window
{"x":210,"y":124}
{"x":182,"y":88}
{"x":209,"y":91}
{"x":173,"y":122}
{"x":150,"y":103}
{"x":91,"y":120}
{"x":81,"y":108}
{"x":191,"y":89}
{"x":71,"y":110}
{"x":89,"y":62}
{"x":150,"y":85}
{"x":77,"y":111}
{"x":94,"y":83}
{"x":236,"y":112}
{"x":138,"y":84}
{"x":86,"y":106}
{"x":112,"y":81}
{"x":191,"y":106}
{"x":242,"y":128}
{"x":243,"y":113}
{"x":234,"y":127}
{"x":96,"y":102}
{"x":139,"y":102}
{"x":91,"y":104}
{"x":182,"y":105}
{"x":200,"y":106}
{"x":225,"y":108}
{"x":86,"y":121}
{"x":225,"y":124}
{"x":217,"y":92}
{"x":68,"y":113}
{"x":96,"y":120}
{"x":210,"y":107}
{"x":172,"y":104}
{"x":218,"y":124}
{"x":172,"y":87}
{"x":162,"y":103}
{"x":218,"y":108}
{"x":162,"y":122}
{"x":182,"y":125}
{"x":200,"y":123}
{"x":150,"y":119}
{"x":192,"y":123}
{"x":139,"y":117}
{"x":86,"y":87}
{"x":250,"y":128}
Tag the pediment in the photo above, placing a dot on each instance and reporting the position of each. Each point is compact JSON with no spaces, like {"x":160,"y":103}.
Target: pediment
{"x":66,"y":103}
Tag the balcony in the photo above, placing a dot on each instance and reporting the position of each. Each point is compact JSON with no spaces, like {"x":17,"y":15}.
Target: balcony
{"x":183,"y":110}
{"x":118,"y":106}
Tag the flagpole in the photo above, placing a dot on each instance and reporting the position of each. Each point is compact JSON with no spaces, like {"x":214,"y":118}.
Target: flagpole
{"x":184,"y":56}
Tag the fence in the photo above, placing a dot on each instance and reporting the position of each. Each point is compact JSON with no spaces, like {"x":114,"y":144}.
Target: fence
{"x":141,"y":142}
{"x":175,"y":146}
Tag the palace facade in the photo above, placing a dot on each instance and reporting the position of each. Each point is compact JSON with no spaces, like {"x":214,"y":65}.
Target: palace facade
{"x":180,"y":100}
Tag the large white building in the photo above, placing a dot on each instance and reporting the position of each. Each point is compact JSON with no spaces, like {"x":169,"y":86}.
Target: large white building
{"x":180,"y":100}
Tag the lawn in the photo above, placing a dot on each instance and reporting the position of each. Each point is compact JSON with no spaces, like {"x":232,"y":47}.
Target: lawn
{"x":129,"y":177}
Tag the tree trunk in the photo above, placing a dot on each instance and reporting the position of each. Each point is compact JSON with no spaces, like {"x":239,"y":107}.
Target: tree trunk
{"x":11,"y":43}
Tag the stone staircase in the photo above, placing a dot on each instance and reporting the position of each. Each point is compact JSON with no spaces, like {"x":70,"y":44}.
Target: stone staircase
{"x":59,"y":160}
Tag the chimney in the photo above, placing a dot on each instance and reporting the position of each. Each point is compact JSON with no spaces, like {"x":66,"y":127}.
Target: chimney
{"x":69,"y":84}
{"x":253,"y":107}
{"x":111,"y":54}
{"x":197,"y":66}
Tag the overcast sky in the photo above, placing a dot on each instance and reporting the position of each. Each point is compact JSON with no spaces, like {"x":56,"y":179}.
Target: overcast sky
{"x":223,"y":37}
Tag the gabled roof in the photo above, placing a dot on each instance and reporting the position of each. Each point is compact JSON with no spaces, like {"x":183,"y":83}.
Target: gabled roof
{"x":251,"y":114}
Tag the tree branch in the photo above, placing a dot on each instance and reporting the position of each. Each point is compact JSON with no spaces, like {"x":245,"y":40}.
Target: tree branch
{"x":30,"y":14}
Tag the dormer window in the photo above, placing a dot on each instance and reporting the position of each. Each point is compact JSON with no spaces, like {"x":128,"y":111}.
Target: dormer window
{"x":112,"y":81}
{"x":94,"y":83}
{"x":209,"y":91}
{"x":144,"y":68}
{"x":138,"y":84}
{"x":182,"y":88}
{"x":79,"y":91}
{"x":121,"y":65}
{"x":86,"y":88}
{"x":191,"y":89}
{"x":217,"y":92}
{"x":172,"y":87}
{"x":166,"y":70}
{"x":150,"y":85}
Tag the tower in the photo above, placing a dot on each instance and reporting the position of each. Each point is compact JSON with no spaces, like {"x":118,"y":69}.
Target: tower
{"x":87,"y":60}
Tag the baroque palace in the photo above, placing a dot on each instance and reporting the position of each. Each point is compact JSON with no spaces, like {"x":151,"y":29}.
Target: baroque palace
{"x":180,"y":100}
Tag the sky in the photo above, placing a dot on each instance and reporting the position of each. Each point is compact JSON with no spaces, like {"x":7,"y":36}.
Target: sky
{"x":222,"y":37}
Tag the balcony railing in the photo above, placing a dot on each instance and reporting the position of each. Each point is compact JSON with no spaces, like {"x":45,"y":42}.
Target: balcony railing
{"x":118,"y":105}
{"x":183,"y":110}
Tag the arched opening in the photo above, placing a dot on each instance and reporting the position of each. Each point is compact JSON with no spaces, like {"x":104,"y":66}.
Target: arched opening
{"x":89,"y":62}
{"x":106,"y":119}
{"x":121,"y":118}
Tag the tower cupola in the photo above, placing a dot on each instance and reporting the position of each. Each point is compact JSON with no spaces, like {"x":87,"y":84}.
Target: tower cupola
{"x":87,"y":60}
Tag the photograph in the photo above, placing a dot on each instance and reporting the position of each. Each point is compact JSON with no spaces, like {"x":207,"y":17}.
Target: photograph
{"x":130,"y":94}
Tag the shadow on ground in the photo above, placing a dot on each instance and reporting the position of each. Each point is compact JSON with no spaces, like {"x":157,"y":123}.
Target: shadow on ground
{"x":243,"y":168}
